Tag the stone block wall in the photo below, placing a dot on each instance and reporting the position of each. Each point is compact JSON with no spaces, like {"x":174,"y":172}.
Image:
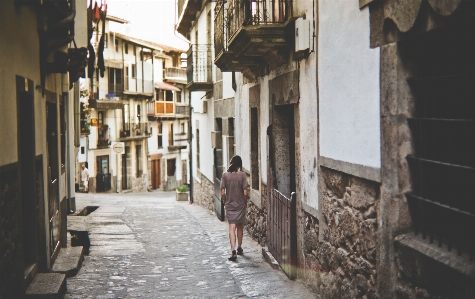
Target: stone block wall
{"x":203,"y":191}
{"x":340,"y":250}
{"x":11,"y":257}
{"x":256,"y":218}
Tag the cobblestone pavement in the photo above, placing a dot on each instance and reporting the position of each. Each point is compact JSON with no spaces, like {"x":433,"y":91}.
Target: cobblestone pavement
{"x":147,"y":245}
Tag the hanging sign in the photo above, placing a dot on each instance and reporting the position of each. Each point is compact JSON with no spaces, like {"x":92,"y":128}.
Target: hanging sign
{"x":118,"y":147}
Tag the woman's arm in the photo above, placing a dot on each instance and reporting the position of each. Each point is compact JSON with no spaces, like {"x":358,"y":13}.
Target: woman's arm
{"x":223,"y":194}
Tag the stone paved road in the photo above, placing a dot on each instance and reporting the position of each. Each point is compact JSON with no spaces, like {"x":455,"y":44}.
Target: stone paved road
{"x":147,"y":245}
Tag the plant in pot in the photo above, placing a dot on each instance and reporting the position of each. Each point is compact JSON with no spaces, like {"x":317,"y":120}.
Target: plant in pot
{"x":182,"y":193}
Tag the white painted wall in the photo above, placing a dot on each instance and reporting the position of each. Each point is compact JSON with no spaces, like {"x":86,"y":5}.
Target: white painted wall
{"x":206,"y":126}
{"x":241,"y":125}
{"x":348,"y":77}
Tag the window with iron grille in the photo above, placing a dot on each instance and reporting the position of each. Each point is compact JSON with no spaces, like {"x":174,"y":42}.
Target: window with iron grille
{"x":443,"y":164}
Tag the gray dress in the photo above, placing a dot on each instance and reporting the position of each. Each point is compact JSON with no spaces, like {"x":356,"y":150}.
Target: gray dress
{"x":234,"y":183}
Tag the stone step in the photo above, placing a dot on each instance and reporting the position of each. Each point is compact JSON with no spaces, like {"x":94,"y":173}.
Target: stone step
{"x":69,"y":261}
{"x":47,"y":286}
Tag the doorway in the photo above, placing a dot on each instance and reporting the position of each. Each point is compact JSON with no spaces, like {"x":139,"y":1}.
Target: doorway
{"x":26,"y":158}
{"x":124,"y":167}
{"x":103,"y":177}
{"x":155,"y":173}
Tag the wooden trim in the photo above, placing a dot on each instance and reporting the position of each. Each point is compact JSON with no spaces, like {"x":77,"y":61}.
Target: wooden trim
{"x":156,"y":157}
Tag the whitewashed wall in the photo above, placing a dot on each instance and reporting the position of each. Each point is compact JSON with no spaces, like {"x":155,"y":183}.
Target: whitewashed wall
{"x":241,"y":125}
{"x":206,"y":126}
{"x":348,"y":78}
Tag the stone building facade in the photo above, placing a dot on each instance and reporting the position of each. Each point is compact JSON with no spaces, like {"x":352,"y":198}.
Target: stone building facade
{"x":39,"y":69}
{"x":363,"y":132}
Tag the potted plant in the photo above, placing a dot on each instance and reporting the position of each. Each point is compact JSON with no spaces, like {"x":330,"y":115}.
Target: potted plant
{"x":182,"y":193}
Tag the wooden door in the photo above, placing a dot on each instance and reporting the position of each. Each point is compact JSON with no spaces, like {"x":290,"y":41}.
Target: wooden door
{"x":155,"y":174}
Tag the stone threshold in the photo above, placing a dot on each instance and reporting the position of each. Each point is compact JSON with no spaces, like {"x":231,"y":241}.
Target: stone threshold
{"x":47,"y":286}
{"x":459,"y":263}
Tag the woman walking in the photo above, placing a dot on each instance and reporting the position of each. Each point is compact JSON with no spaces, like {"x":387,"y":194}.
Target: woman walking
{"x":234,"y":193}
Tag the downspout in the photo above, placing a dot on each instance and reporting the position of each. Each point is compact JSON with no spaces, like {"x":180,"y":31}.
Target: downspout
{"x":190,"y":154}
{"x":143,"y":73}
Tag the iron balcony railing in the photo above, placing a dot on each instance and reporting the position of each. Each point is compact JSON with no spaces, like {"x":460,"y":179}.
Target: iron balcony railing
{"x":199,"y":64}
{"x":115,"y":89}
{"x":231,"y":15}
{"x":135,"y":130}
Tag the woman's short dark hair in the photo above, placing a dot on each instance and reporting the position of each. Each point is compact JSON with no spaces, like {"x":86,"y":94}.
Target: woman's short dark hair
{"x":235,"y":164}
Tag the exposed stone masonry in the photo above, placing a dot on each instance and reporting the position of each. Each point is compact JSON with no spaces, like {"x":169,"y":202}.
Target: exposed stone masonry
{"x":203,"y":192}
{"x":256,"y":219}
{"x":344,"y":253}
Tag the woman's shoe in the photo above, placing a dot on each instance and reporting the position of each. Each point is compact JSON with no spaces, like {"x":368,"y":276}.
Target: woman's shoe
{"x":233,"y":257}
{"x":240,"y":251}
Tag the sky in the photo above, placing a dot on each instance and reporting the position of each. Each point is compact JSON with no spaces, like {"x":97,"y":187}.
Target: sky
{"x":151,"y":20}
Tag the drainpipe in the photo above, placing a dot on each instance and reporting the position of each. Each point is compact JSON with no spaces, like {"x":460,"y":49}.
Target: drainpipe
{"x":190,"y":154}
{"x":143,"y":73}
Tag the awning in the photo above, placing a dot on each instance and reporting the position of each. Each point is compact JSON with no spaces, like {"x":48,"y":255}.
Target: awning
{"x":166,"y":86}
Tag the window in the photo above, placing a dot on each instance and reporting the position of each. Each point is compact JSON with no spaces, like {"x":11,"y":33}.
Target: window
{"x":115,"y":80}
{"x":106,"y":40}
{"x":133,"y":71}
{"x":171,"y":167}
{"x":182,"y":128}
{"x":116,"y":45}
{"x":126,"y":120}
{"x":198,"y":148}
{"x":138,"y":157}
{"x":178,"y":96}
{"x":169,"y":96}
{"x":254,"y":149}
{"x":100,"y":118}
{"x":126,"y":48}
{"x":159,"y":136}
{"x":126,"y":71}
{"x":83,"y":151}
{"x":170,"y":134}
{"x":138,"y":113}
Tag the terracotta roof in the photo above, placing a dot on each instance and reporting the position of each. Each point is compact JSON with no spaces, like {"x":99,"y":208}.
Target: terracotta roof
{"x":149,"y":44}
{"x":166,"y":86}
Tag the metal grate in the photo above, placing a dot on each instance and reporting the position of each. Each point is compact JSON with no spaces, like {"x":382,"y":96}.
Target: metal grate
{"x":199,"y":64}
{"x":282,"y":231}
{"x":442,"y":201}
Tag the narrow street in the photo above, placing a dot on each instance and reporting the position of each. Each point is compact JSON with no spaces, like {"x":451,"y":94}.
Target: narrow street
{"x":148,"y":245}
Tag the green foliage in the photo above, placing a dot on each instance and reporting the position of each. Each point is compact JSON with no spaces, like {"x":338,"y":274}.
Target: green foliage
{"x":183,"y":188}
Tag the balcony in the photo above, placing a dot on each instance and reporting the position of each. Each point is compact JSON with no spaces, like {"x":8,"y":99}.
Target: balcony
{"x":174,"y":74}
{"x":167,"y":110}
{"x":187,"y":10}
{"x":134,"y":131}
{"x":251,"y":34}
{"x":115,"y":90}
{"x":103,"y":136}
{"x":138,"y":87}
{"x":199,"y":68}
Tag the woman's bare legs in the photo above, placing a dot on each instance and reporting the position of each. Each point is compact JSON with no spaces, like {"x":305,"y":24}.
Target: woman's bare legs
{"x":239,"y":234}
{"x":232,"y":235}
